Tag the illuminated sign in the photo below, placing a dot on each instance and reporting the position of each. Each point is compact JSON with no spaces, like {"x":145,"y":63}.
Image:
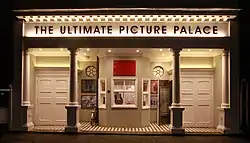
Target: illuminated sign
{"x":127,"y":29}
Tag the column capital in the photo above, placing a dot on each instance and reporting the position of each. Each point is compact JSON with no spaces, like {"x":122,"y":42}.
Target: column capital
{"x":73,"y":50}
{"x":25,"y":49}
{"x":225,"y":51}
{"x":176,"y":50}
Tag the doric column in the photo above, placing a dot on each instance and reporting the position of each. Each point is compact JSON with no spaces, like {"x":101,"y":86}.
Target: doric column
{"x":225,"y":80}
{"x":224,"y":109}
{"x":176,"y":109}
{"x":73,"y":107}
{"x":73,"y":76}
{"x":176,"y":77}
{"x":26,"y":104}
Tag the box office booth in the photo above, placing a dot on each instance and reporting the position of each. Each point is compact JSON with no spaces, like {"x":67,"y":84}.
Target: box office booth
{"x":174,"y":67}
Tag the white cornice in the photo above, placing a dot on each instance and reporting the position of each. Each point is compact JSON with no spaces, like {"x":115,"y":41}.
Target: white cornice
{"x":124,"y":18}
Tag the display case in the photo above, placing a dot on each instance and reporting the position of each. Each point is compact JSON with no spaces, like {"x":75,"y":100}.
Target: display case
{"x":124,"y":92}
{"x":102,"y":92}
{"x":145,"y":93}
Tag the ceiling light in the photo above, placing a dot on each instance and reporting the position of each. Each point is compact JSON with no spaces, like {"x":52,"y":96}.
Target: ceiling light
{"x":188,"y":49}
{"x":137,"y":51}
{"x":210,"y":50}
{"x":109,"y":50}
{"x":40,"y":49}
{"x":87,"y":49}
{"x":160,"y":49}
{"x":169,"y":49}
{"x":84,"y":54}
{"x":162,"y":54}
{"x":61,"y":49}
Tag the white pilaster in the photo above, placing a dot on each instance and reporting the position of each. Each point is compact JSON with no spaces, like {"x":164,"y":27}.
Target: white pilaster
{"x":26,"y":78}
{"x":176,"y":108}
{"x":225,"y":105}
{"x":225,"y":80}
{"x":26,"y":104}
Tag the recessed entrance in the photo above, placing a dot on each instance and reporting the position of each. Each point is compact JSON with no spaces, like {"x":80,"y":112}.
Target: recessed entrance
{"x":198,"y":68}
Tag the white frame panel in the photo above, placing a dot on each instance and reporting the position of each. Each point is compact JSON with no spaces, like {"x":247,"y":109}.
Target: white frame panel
{"x":100,"y":92}
{"x":112,"y":93}
{"x":147,"y":93}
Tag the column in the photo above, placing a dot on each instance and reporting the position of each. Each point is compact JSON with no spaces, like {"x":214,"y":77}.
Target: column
{"x":176,"y":108}
{"x":73,"y":124}
{"x":223,"y":113}
{"x":26,"y":104}
{"x":225,"y":77}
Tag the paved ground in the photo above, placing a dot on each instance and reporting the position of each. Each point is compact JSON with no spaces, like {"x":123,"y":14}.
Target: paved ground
{"x":85,"y":138}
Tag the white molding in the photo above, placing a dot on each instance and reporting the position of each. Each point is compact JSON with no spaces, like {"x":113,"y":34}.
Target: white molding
{"x":126,"y":18}
{"x":192,"y":72}
{"x":148,"y":93}
{"x":102,"y":106}
{"x":52,"y":71}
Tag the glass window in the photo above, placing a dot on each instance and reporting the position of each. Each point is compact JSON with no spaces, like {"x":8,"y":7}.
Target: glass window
{"x":124,"y":93}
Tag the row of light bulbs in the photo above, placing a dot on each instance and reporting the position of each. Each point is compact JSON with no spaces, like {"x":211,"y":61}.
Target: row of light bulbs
{"x":61,"y":49}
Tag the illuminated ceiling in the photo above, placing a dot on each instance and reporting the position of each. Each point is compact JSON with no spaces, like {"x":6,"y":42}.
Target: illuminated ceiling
{"x":154,"y":54}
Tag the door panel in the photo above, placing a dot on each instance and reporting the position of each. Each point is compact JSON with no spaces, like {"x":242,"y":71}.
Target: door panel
{"x":188,"y":115}
{"x":203,"y":116}
{"x":204,"y":102}
{"x":187,"y":100}
{"x":45,"y":101}
{"x":196,"y":97}
{"x":52,"y":96}
{"x":61,"y":100}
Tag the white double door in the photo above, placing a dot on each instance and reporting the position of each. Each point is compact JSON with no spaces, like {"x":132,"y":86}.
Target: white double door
{"x":197,"y":98}
{"x":52,"y":96}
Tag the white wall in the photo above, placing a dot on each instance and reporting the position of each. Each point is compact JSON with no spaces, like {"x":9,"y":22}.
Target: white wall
{"x":196,"y":62}
{"x":52,"y":62}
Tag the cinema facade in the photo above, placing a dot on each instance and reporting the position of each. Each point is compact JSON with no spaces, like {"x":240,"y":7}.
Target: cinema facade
{"x":139,"y":70}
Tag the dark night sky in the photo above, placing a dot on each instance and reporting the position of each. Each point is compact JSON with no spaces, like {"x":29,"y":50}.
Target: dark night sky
{"x":118,"y":3}
{"x":6,"y":28}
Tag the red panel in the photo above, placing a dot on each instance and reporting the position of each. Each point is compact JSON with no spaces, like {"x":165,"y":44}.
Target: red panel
{"x":124,"y":68}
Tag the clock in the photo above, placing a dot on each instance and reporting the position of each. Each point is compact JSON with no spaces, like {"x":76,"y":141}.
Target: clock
{"x":158,"y":71}
{"x":90,"y":71}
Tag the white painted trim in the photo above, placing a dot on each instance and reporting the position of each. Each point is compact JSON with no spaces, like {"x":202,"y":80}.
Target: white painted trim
{"x":158,"y":102}
{"x":103,"y":92}
{"x":148,"y":93}
{"x":212,"y":104}
{"x":128,"y":18}
{"x":53,"y":71}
